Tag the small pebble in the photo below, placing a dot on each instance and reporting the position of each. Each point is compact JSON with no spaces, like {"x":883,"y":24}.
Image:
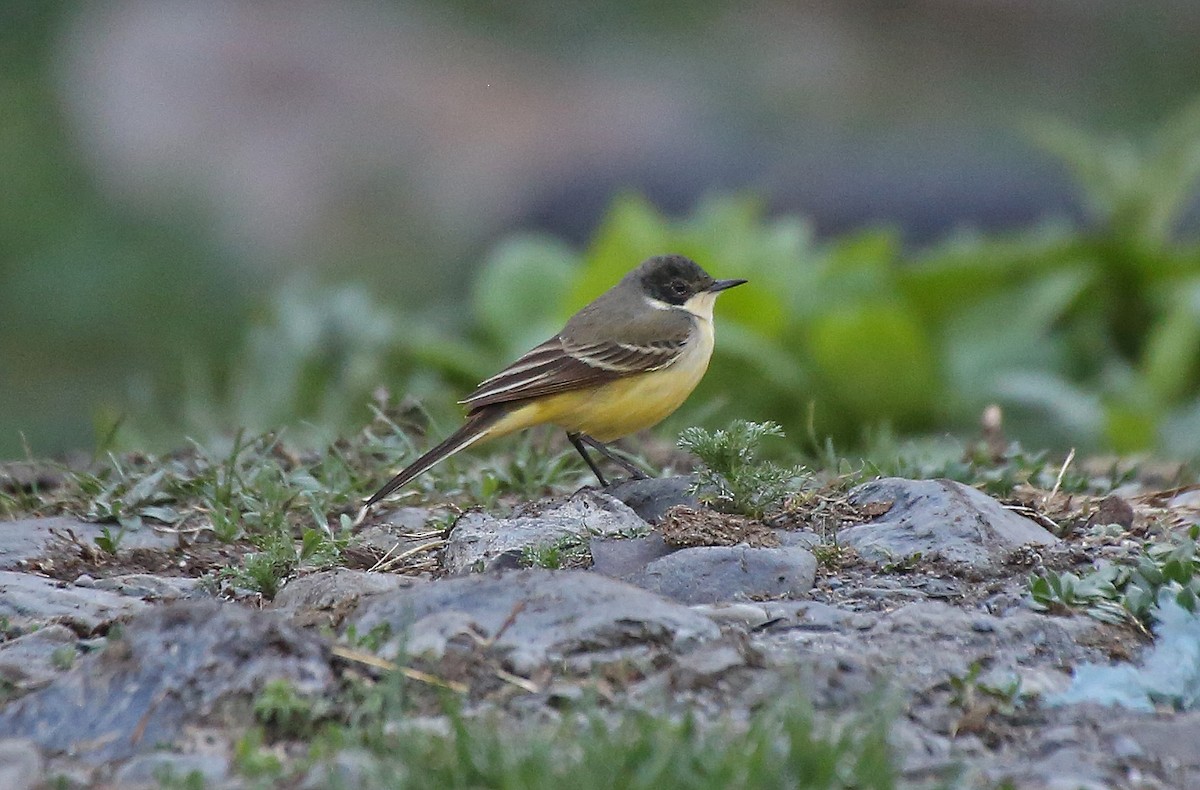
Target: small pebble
{"x":741,"y":613}
{"x":983,"y":626}
{"x":1126,"y":748}
{"x":861,"y":622}
{"x":84,"y":580}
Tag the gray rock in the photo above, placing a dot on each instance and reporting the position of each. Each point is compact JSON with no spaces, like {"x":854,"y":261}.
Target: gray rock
{"x":403,"y":520}
{"x":804,"y":538}
{"x":707,"y":663}
{"x":653,"y":497}
{"x":24,"y":540}
{"x":183,"y":663}
{"x":338,"y":589}
{"x":923,"y":643}
{"x":1065,"y":768}
{"x":20,"y":764}
{"x":431,"y":635}
{"x":394,"y":532}
{"x":348,"y":768}
{"x":557,"y":614}
{"x":744,"y":614}
{"x":28,"y":663}
{"x":146,"y":586}
{"x":715,"y":574}
{"x":939,"y":518}
{"x":816,"y":616}
{"x":478,"y":538}
{"x":30,"y":600}
{"x":620,"y":557}
{"x":1167,"y":739}
{"x":145,"y":770}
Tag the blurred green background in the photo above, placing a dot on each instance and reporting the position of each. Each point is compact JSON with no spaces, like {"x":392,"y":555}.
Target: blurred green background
{"x":223,"y":214}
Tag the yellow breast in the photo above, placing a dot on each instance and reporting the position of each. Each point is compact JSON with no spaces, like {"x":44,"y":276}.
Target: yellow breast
{"x":626,"y":405}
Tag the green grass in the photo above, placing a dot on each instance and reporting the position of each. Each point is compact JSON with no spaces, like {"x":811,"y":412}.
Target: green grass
{"x":567,"y":552}
{"x":785,"y":745}
{"x":284,"y":507}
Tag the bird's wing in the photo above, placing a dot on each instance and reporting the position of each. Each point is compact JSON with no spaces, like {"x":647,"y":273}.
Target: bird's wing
{"x":560,"y":365}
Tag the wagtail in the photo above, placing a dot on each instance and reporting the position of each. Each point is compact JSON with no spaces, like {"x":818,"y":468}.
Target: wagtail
{"x":622,"y":363}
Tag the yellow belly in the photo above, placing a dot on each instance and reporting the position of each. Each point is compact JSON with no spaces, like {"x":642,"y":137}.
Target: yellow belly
{"x":622,"y":406}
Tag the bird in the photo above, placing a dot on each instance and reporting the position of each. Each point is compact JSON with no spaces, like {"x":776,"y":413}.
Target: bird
{"x":623,"y":363}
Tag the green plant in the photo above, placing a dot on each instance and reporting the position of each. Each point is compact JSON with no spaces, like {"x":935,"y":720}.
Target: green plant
{"x":974,"y":464}
{"x":1116,"y":593}
{"x":63,"y":657}
{"x":168,"y":779}
{"x":372,"y":640}
{"x":782,"y":745}
{"x":732,"y":478}
{"x":253,"y":759}
{"x":568,"y":551}
{"x":286,"y":713}
{"x":108,"y":541}
{"x":966,"y":690}
{"x":265,"y":571}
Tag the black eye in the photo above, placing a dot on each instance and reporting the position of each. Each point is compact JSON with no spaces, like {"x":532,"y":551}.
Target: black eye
{"x":678,"y":287}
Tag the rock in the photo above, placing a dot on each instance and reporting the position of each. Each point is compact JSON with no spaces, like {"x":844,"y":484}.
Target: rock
{"x":550,"y":614}
{"x":816,"y":616}
{"x":1065,"y":768}
{"x":1188,"y":498}
{"x":147,"y":770}
{"x":478,"y":538}
{"x":804,"y":538}
{"x":20,"y":764}
{"x":30,"y":600}
{"x":348,"y":768}
{"x":1114,"y":510}
{"x":28,"y":662}
{"x":405,"y":520}
{"x":716,"y":574}
{"x":923,"y":643}
{"x":24,"y":540}
{"x":710,"y":660}
{"x":432,"y":635}
{"x":179,"y":664}
{"x":327,"y":596}
{"x":619,"y":557}
{"x":146,"y":586}
{"x":393,"y":532}
{"x":744,"y":614}
{"x":1164,"y":739}
{"x":652,"y":497}
{"x":938,"y":518}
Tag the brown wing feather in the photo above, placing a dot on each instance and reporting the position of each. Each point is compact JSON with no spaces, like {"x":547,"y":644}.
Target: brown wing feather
{"x":559,"y":366}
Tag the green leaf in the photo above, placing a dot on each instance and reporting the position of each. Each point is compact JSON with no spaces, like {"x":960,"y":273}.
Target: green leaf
{"x":520,"y":288}
{"x":877,"y":359}
{"x":1169,"y":360}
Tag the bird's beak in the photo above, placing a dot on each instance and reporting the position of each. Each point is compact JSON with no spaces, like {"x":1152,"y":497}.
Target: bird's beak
{"x":721,"y":285}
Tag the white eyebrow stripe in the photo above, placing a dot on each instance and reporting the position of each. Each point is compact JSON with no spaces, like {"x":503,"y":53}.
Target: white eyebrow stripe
{"x":658,"y":304}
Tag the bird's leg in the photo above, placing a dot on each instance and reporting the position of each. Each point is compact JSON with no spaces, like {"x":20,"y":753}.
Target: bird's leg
{"x":635,"y":471}
{"x":575,"y":439}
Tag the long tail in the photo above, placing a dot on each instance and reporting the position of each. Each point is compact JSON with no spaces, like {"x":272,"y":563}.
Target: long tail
{"x":477,"y":426}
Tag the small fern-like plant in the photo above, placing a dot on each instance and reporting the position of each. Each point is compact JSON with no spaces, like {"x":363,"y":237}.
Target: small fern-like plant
{"x":732,"y":478}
